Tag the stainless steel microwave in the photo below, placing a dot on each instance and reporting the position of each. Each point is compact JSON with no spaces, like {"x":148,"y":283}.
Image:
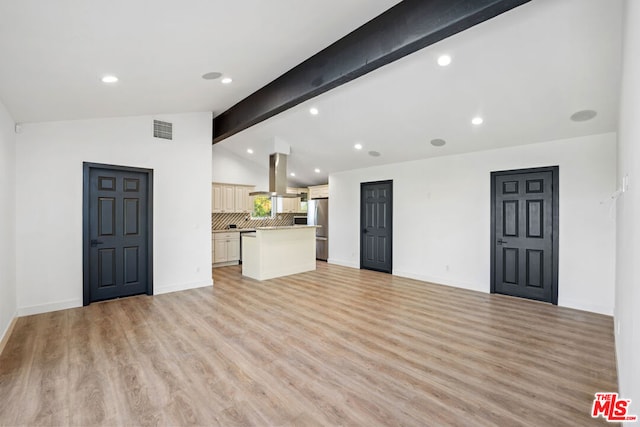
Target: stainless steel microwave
{"x":299,"y":220}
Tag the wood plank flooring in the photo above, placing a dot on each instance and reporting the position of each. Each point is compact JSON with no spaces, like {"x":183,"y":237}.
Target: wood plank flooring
{"x":336,"y":346}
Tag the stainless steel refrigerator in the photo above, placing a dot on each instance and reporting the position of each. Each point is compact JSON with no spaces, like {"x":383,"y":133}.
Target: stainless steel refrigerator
{"x":318,"y":214}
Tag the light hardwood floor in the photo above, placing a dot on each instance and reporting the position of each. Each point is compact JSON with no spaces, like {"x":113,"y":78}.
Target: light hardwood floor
{"x":336,"y":346}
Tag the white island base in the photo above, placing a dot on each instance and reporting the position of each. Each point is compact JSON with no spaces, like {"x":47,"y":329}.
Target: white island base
{"x":278,"y":251}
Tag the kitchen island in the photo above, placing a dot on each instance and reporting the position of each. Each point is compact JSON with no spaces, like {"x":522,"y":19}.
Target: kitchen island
{"x":272,"y":252}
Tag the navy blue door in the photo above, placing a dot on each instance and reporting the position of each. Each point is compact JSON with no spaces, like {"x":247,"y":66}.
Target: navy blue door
{"x":376,"y":209}
{"x":525,"y":234}
{"x":118,"y":209}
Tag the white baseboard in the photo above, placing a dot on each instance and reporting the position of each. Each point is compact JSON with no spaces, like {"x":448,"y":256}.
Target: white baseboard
{"x":182,"y":287}
{"x":225,"y":264}
{"x":46,"y":308}
{"x":343,"y":263}
{"x":6,"y":334}
{"x":593,"y":308}
{"x":63,"y":305}
{"x":439,"y":281}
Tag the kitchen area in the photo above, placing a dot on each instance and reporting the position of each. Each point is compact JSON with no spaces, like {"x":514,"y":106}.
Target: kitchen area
{"x":271,"y":233}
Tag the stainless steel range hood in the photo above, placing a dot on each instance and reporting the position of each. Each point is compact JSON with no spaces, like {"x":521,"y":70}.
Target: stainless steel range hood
{"x":277,"y":178}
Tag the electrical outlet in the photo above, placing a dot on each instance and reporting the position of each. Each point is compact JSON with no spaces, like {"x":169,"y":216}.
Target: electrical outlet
{"x":625,"y":183}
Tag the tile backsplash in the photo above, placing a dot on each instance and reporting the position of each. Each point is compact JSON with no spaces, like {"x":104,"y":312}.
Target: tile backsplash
{"x":220,"y":221}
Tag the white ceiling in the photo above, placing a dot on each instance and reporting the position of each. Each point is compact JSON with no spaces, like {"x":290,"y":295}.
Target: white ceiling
{"x":525,"y":72}
{"x":53,"y":53}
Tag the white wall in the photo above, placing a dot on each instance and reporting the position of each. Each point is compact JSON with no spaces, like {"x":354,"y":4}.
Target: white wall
{"x":50,"y":158}
{"x":441,"y":223}
{"x":627,"y":313}
{"x":7,"y":221}
{"x":230,"y":168}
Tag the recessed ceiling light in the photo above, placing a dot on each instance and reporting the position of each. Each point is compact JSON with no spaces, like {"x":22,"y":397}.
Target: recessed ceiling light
{"x":316,"y":170}
{"x":583,"y":115}
{"x":444,"y":60}
{"x":314,"y":111}
{"x":212,"y":75}
{"x":438,"y":142}
{"x":358,"y":146}
{"x":109,"y":79}
{"x":292,"y":174}
{"x":226,"y":80}
{"x":374,"y":153}
{"x":477,"y":121}
{"x":249,"y":150}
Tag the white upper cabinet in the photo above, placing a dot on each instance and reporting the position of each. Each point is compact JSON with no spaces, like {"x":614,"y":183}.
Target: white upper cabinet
{"x":230,"y":198}
{"x":243,"y":202}
{"x":319,"y":191}
{"x":223,"y":198}
{"x":291,"y":204}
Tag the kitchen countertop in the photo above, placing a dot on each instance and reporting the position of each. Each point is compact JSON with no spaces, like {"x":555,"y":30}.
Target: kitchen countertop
{"x":286,"y":227}
{"x":231,"y":230}
{"x":275,"y":227}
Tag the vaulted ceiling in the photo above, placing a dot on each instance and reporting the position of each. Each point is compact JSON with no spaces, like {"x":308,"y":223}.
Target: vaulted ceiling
{"x":525,"y":72}
{"x":53,"y":53}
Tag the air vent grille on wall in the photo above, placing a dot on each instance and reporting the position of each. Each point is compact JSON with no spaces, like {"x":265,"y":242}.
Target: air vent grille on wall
{"x":162,"y":130}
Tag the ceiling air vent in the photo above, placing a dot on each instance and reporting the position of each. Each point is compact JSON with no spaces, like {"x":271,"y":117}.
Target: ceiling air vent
{"x":162,"y":130}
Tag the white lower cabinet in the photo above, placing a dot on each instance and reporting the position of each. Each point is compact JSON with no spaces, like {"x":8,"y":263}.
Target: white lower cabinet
{"x":233,"y":249}
{"x":219,"y":251}
{"x":226,"y":247}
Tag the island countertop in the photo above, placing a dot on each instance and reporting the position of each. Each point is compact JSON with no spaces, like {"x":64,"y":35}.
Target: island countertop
{"x":231,"y":230}
{"x":274,"y":227}
{"x":286,"y":227}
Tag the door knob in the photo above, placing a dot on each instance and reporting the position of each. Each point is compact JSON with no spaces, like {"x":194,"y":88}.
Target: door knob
{"x":501,"y":242}
{"x":365,"y":231}
{"x":95,"y":242}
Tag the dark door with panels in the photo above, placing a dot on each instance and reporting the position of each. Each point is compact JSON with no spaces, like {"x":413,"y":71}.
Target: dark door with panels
{"x":117,"y":232}
{"x":376,"y":214}
{"x":524,"y":248}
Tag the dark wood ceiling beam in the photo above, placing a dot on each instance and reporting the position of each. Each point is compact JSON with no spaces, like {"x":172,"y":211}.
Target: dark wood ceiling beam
{"x":405,"y":28}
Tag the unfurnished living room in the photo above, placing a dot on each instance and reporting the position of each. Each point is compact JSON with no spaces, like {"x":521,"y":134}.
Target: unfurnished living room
{"x":287,"y":213}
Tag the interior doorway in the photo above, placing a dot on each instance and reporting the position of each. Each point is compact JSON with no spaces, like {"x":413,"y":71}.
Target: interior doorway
{"x":524,"y":233}
{"x":376,"y":226}
{"x":117,"y":232}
